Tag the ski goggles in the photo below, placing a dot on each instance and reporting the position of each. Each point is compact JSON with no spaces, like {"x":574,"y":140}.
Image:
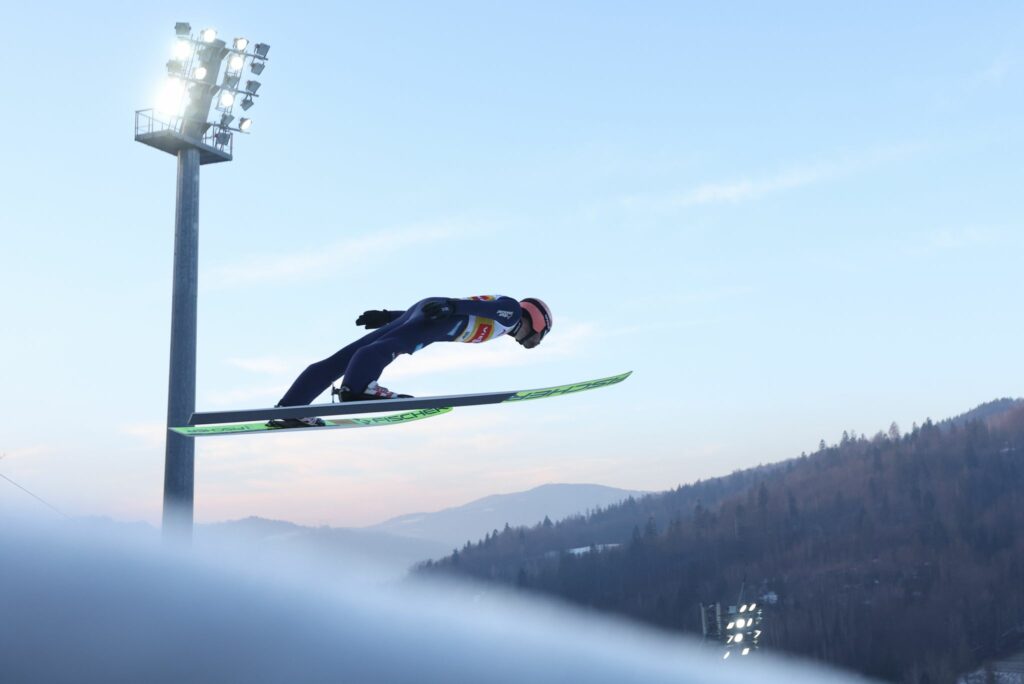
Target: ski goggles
{"x":536,"y":325}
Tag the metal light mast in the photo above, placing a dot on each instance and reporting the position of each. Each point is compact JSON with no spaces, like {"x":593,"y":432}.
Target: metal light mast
{"x":180,"y":125}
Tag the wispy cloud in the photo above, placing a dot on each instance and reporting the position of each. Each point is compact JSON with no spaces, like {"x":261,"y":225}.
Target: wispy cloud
{"x":151,"y":434}
{"x":276,"y":374}
{"x":30,"y":452}
{"x":439,"y":358}
{"x":748,"y":189}
{"x":321,"y":261}
{"x":742,"y":190}
{"x":996,"y":72}
{"x":436,"y":359}
{"x":967,"y":237}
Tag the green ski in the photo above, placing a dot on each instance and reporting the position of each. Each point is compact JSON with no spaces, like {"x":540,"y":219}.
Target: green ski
{"x":263,"y":428}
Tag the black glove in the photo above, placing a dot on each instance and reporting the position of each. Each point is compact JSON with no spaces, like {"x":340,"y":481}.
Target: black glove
{"x":436,"y":310}
{"x":374,"y":319}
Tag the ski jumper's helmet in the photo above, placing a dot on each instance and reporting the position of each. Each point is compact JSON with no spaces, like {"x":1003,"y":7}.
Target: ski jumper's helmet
{"x":535,"y":323}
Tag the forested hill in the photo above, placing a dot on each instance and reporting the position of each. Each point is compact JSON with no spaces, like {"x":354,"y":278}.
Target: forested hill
{"x":900,"y":556}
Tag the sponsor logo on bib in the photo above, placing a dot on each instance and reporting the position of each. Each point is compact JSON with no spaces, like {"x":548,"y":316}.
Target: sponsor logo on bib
{"x":482,"y":332}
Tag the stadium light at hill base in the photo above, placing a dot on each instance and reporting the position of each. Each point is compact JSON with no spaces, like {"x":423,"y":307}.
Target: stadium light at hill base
{"x":742,"y":631}
{"x":180,"y":125}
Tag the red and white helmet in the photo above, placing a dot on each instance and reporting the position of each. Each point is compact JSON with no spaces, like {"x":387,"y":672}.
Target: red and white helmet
{"x":535,"y":323}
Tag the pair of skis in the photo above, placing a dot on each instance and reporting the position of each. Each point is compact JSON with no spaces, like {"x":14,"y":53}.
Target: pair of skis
{"x":416,"y":408}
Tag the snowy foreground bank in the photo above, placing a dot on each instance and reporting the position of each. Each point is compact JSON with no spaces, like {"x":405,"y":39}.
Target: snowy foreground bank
{"x":84,"y":607}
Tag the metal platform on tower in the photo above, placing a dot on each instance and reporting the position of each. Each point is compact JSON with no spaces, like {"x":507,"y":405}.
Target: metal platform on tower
{"x":166,"y":134}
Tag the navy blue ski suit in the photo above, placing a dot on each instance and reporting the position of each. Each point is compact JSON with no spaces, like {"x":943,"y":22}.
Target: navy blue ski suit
{"x":477,"y":319}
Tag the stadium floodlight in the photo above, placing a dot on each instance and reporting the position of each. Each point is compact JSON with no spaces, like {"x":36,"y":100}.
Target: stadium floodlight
{"x":261,"y":50}
{"x":244,"y":124}
{"x":183,"y":49}
{"x":170,"y":100}
{"x":257,"y":67}
{"x":181,"y":124}
{"x":742,"y":633}
{"x":252,"y":86}
{"x":726,"y":656}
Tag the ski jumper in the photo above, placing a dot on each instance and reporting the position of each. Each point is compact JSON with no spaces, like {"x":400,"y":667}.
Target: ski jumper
{"x":474,"y":320}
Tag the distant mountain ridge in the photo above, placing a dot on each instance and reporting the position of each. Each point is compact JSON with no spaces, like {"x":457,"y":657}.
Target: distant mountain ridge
{"x":398,"y":544}
{"x":472,"y":521}
{"x":373,"y":549}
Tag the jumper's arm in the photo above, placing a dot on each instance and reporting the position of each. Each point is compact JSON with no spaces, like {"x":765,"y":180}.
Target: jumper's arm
{"x":503,"y":309}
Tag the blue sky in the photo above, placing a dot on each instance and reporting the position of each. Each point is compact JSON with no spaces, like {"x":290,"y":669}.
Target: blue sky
{"x":789,"y":220}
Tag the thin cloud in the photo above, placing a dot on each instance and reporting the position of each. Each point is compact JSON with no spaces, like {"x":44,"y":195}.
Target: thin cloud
{"x":996,"y":72}
{"x":739,"y":191}
{"x":652,"y":329}
{"x":151,"y":434}
{"x":965,"y":238}
{"x":27,"y":453}
{"x":322,"y":261}
{"x":437,"y":359}
{"x":278,"y":370}
{"x":745,"y":190}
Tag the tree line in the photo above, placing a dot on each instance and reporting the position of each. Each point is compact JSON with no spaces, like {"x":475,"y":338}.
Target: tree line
{"x":900,"y":556}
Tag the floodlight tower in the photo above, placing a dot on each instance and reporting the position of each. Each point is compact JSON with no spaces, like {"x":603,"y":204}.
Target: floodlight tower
{"x":180,"y":125}
{"x":743,"y":630}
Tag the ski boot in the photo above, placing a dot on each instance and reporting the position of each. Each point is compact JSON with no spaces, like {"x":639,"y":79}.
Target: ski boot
{"x":373,"y":391}
{"x":294,"y":422}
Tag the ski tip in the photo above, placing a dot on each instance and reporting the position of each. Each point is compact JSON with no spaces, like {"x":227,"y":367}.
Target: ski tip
{"x":612,"y":379}
{"x":569,"y":389}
